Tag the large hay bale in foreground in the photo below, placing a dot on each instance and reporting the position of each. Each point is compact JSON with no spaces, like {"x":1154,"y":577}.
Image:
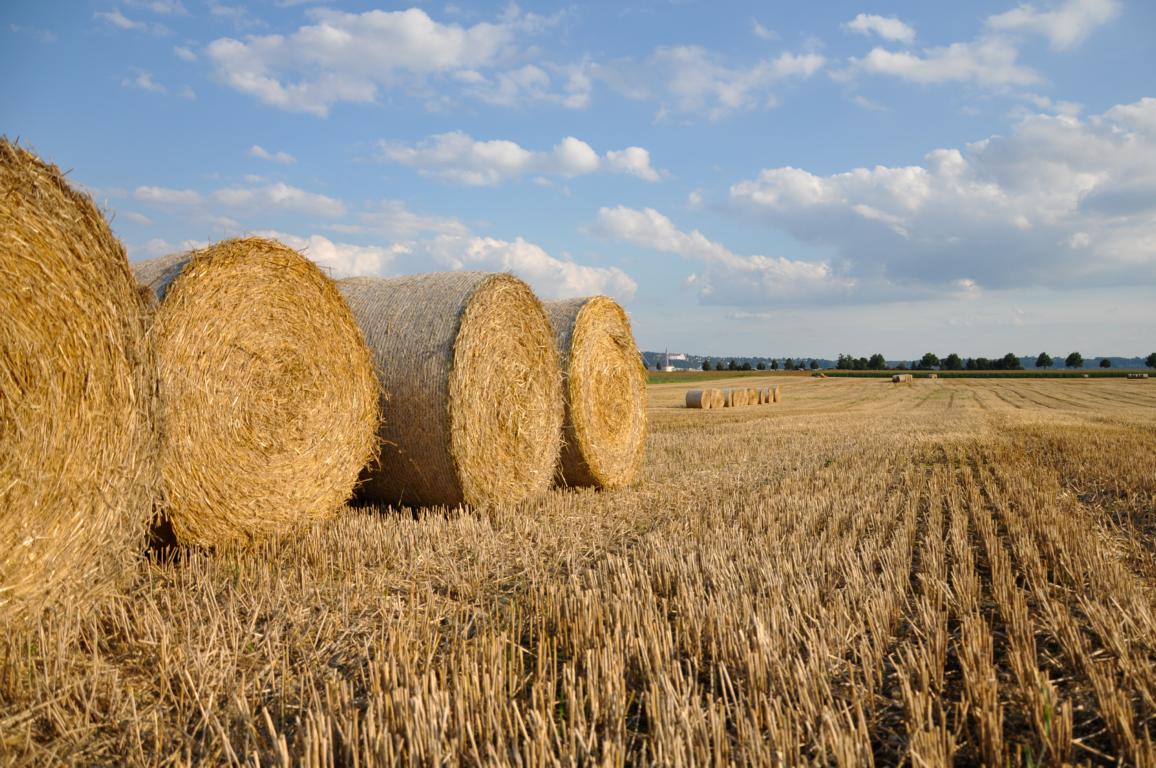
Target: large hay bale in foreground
{"x":268,"y":405}
{"x":475,"y":389}
{"x":75,"y":396}
{"x":604,"y":432}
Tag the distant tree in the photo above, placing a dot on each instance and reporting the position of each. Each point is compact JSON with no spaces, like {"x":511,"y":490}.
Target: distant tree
{"x":1150,"y":361}
{"x":761,"y":366}
{"x":901,"y":366}
{"x":843,"y":362}
{"x":969,"y":364}
{"x":982,"y":364}
{"x":1074,"y":360}
{"x":1105,"y":362}
{"x":1010,"y":362}
{"x":746,"y":366}
{"x":1044,"y":361}
{"x":952,"y":362}
{"x":789,"y":364}
{"x":876,"y":362}
{"x":774,"y":365}
{"x":814,"y":364}
{"x":706,"y":366}
{"x":732,"y":366}
{"x":929,"y":361}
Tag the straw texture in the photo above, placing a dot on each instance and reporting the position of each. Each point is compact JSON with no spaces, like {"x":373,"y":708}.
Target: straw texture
{"x":776,"y":395}
{"x":75,"y":399}
{"x":268,"y":402}
{"x":475,"y":410}
{"x":604,"y":434}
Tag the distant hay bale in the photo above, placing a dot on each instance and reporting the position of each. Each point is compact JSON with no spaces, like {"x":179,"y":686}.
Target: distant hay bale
{"x":729,"y":398}
{"x":1137,"y":375}
{"x":604,"y":432}
{"x":75,"y":395}
{"x":268,"y":404}
{"x":475,"y":390}
{"x":901,"y":378}
{"x":752,"y":396}
{"x":775,"y":394}
{"x":704,"y":398}
{"x":933,"y":375}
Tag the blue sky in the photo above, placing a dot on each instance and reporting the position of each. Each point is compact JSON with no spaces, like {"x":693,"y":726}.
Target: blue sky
{"x":765,"y":178}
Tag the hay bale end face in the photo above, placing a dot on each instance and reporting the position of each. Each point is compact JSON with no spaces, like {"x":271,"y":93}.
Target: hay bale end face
{"x":76,"y":475}
{"x":470,"y":367}
{"x":604,"y":432}
{"x":268,"y":403}
{"x":776,"y":395}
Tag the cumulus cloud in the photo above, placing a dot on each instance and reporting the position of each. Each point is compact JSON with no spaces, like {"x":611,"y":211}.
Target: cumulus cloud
{"x":117,"y":19}
{"x":281,"y":196}
{"x":551,"y":277}
{"x":261,"y":153}
{"x":1059,"y":202}
{"x":461,"y":159}
{"x":1065,"y":25}
{"x":349,"y":57}
{"x":694,"y":80}
{"x":988,"y":61}
{"x":393,"y":219}
{"x":886,"y":27}
{"x":184,"y":54}
{"x":727,"y":278}
{"x":165,"y":196}
{"x":144,"y":82}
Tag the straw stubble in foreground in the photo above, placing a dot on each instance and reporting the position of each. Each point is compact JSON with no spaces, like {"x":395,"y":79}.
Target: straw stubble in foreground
{"x":474,"y":409}
{"x":959,"y":571}
{"x":268,"y":403}
{"x":75,"y":394}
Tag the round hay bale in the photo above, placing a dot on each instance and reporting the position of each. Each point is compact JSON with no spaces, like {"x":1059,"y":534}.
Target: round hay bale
{"x":604,"y":434}
{"x":268,"y":403}
{"x":75,"y":395}
{"x":718,"y":398}
{"x":699,"y":398}
{"x":475,"y":409}
{"x":775,"y":394}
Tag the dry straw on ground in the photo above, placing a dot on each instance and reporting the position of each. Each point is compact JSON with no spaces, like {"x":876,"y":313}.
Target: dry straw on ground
{"x":604,"y":433}
{"x":475,"y":410}
{"x":268,"y":402}
{"x":704,"y":398}
{"x":75,"y":426}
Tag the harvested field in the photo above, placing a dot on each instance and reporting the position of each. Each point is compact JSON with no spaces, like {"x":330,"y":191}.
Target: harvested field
{"x":862,"y":574}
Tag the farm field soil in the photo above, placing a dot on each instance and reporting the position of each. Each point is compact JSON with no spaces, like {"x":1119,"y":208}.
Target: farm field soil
{"x":953,"y":571}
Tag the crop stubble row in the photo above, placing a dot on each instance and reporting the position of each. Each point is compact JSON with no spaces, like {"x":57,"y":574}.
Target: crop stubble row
{"x":860,"y":580}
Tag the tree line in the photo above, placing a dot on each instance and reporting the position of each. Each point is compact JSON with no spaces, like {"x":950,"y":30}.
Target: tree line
{"x":788,"y":365}
{"x":953,"y":362}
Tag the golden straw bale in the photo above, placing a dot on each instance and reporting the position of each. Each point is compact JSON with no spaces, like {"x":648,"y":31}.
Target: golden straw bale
{"x":699,"y":398}
{"x":268,"y":402}
{"x":475,"y":410}
{"x":76,"y":433}
{"x":604,"y":433}
{"x":775,"y":394}
{"x":718,"y":397}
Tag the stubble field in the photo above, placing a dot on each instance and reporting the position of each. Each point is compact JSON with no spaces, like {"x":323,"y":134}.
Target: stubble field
{"x":951,"y":571}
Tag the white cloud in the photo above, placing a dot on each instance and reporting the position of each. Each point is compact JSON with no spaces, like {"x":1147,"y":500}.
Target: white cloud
{"x":184,"y":54}
{"x":281,"y":196}
{"x":634,"y":161}
{"x":120,"y":21}
{"x":394,"y":220}
{"x":166,"y":196}
{"x":761,"y":32}
{"x":137,"y":218}
{"x":163,"y":7}
{"x":1065,"y":26}
{"x":550,"y":277}
{"x":728,"y":278}
{"x":261,"y":153}
{"x":988,"y":61}
{"x":144,"y":82}
{"x":1059,"y":202}
{"x":461,"y":159}
{"x":237,"y":15}
{"x":348,"y":57}
{"x":694,"y":80}
{"x":886,"y":27}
